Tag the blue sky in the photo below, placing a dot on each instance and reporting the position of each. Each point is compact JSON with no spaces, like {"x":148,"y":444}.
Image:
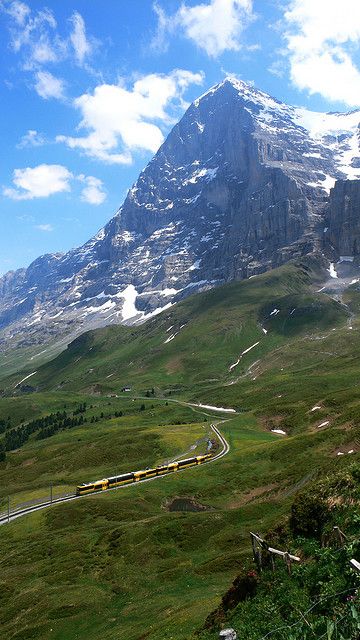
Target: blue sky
{"x":90,"y":89}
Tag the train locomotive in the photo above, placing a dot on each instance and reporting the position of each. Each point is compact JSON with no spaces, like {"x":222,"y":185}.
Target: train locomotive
{"x":136,"y":476}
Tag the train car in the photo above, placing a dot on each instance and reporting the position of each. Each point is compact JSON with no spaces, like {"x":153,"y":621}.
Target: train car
{"x":161,"y":469}
{"x":125,"y":478}
{"x":188,"y":462}
{"x":140,"y":475}
{"x":150,"y":473}
{"x":99,"y":485}
{"x":205,"y":458}
{"x":172,"y":466}
{"x":166,"y":468}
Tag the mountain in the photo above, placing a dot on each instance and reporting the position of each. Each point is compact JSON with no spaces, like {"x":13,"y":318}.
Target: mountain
{"x":241,"y":185}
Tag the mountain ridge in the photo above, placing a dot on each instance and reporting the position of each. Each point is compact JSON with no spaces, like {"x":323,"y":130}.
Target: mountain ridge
{"x":238,"y":187}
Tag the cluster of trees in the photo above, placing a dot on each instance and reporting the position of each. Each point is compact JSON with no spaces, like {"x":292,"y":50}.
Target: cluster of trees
{"x":46,"y":426}
{"x":5,"y":424}
{"x":80,"y":409}
{"x":15,"y":438}
{"x":66,"y":423}
{"x":117,"y":414}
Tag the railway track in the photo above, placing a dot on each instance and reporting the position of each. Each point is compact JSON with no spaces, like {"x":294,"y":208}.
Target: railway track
{"x":4,"y":519}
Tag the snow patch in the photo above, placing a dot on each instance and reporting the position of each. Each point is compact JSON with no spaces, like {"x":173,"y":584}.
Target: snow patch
{"x":232,"y":366}
{"x":26,"y":377}
{"x":249,"y":348}
{"x":129,"y":309}
{"x":156,"y":311}
{"x":209,"y":406}
{"x":169,"y":292}
{"x":38,"y":354}
{"x":332,"y":271}
{"x":209,"y":174}
{"x":170,"y":338}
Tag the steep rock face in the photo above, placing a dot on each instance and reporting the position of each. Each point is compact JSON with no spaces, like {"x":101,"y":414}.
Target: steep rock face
{"x":343,"y":232}
{"x":240,"y":185}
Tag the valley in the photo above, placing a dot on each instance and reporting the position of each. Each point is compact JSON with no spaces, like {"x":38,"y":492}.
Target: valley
{"x":273,"y":350}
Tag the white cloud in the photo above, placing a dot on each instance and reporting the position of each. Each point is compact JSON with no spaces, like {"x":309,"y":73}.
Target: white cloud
{"x":19,"y":11}
{"x":39,"y":182}
{"x":48,"y":86}
{"x":82,"y":46}
{"x":93,"y":192}
{"x":35,"y":35}
{"x":215,"y":26}
{"x":322,"y":43}
{"x":120,"y":120}
{"x":31,"y":139}
{"x":44,"y":227}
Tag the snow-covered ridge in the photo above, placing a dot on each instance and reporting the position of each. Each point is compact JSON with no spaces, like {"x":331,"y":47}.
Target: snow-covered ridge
{"x":338,"y":133}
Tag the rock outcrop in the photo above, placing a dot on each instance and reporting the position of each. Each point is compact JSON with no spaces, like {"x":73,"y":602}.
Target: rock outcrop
{"x":343,"y":232}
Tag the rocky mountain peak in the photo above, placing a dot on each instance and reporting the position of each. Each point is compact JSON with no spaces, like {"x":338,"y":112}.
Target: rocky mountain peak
{"x":240,"y":185}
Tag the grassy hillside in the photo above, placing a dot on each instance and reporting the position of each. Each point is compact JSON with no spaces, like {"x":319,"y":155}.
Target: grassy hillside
{"x":320,"y":599}
{"x":195,"y":344}
{"x":124,"y":564}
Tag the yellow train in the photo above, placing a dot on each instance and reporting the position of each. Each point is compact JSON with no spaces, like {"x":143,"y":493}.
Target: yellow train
{"x":135,"y":476}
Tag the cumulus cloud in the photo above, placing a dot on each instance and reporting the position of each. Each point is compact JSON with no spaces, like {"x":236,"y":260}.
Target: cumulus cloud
{"x":322,"y":40}
{"x":48,"y":86}
{"x":93,"y":192}
{"x":47,"y":179}
{"x":120,"y":120}
{"x":39,"y":182}
{"x":215,"y":26}
{"x":31,"y":139}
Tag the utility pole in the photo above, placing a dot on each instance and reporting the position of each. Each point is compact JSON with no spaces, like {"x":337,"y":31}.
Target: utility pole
{"x":8,"y":509}
{"x":51,"y":493}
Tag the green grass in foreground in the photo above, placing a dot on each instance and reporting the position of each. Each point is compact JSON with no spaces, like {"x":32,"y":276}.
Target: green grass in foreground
{"x":119,"y":565}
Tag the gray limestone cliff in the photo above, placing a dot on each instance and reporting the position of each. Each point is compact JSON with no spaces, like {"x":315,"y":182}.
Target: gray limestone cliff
{"x":343,"y":232}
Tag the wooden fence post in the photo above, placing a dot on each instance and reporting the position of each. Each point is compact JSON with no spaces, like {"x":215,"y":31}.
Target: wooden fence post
{"x":341,"y":537}
{"x":355,"y":564}
{"x":258,"y":544}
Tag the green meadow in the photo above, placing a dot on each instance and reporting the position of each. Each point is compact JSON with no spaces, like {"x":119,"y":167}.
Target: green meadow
{"x":123,"y":564}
